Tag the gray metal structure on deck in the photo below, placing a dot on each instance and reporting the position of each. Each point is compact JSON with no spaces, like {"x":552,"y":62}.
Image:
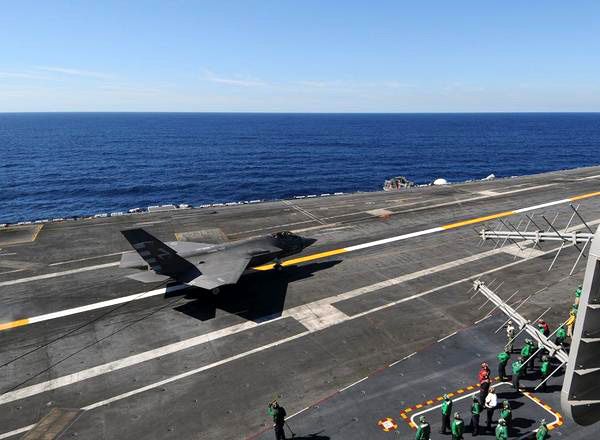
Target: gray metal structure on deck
{"x":580,"y":396}
{"x":523,"y":323}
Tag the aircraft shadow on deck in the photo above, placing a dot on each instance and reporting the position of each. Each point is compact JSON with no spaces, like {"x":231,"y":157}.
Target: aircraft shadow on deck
{"x":257,"y":297}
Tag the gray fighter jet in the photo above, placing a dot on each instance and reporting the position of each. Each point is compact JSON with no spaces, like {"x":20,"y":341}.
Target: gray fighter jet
{"x":208,"y":266}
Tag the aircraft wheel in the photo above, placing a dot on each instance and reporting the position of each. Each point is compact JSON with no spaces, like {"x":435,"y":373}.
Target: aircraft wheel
{"x":215,"y":291}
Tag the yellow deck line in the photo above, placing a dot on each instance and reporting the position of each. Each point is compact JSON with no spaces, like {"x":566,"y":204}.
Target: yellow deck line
{"x":304,"y":259}
{"x":584,"y":196}
{"x":478,"y":220}
{"x":13,"y":324}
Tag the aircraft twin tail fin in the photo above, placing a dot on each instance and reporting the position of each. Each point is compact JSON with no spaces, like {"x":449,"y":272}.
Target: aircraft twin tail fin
{"x":161,"y":258}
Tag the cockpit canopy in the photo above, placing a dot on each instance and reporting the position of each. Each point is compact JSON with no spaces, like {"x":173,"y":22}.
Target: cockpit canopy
{"x":284,"y":234}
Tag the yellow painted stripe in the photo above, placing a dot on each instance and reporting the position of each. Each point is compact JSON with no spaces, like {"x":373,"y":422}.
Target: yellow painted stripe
{"x":419,"y":406}
{"x":304,"y":259}
{"x":585,"y":196}
{"x":478,"y":220}
{"x":13,"y":324}
{"x":37,"y":232}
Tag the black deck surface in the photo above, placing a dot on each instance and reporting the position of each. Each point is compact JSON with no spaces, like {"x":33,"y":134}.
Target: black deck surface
{"x":189,"y":365}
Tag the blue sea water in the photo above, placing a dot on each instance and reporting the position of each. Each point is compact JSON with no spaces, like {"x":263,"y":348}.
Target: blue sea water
{"x":65,"y":164}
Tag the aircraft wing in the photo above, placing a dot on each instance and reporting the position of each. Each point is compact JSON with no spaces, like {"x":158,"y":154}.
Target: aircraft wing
{"x":220,"y":269}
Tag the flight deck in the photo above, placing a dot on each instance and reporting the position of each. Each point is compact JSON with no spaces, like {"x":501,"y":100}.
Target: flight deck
{"x":375,"y":318}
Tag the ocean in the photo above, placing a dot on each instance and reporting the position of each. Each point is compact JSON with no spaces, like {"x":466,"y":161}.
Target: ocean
{"x":74,"y":164}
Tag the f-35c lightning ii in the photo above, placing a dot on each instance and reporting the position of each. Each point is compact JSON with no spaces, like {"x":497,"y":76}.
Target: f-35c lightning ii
{"x":208,"y":266}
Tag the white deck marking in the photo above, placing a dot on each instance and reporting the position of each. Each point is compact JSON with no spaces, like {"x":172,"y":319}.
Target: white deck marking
{"x":589,"y":177}
{"x":304,"y":211}
{"x":446,"y":337}
{"x":58,"y":274}
{"x":12,"y":271}
{"x":107,"y":303}
{"x":488,"y":192}
{"x":16,"y":431}
{"x":393,"y":239}
{"x":354,"y":383}
{"x":87,"y":258}
{"x":524,"y":252}
{"x":543,"y":205}
{"x":317,"y":315}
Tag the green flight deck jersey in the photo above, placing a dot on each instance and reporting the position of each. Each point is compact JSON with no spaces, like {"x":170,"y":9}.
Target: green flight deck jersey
{"x":506,"y":414}
{"x":501,"y":432}
{"x":545,"y":368}
{"x":423,"y":431}
{"x":476,"y":408}
{"x":503,"y":357}
{"x":542,"y":433}
{"x":516,"y":367}
{"x":446,"y":407}
{"x":458,"y":428}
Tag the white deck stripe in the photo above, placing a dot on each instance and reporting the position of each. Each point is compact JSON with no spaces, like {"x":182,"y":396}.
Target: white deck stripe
{"x":543,"y":205}
{"x":107,"y":303}
{"x":446,"y":337}
{"x":58,"y":274}
{"x":16,"y":432}
{"x":87,"y":258}
{"x":354,"y":383}
{"x":393,"y":239}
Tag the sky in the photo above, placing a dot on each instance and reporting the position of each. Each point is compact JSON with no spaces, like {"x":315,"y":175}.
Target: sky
{"x":300,"y":56}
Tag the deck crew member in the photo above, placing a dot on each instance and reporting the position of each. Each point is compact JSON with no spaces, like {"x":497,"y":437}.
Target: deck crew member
{"x":571,"y":321}
{"x":503,"y":358}
{"x":491,"y":401}
{"x":446,"y":412}
{"x":506,"y":413}
{"x":278,"y":413}
{"x":544,"y":371}
{"x":484,"y":388}
{"x":578,"y":293}
{"x":458,"y":427}
{"x":543,"y":327}
{"x":525,"y":354}
{"x":517,"y":370}
{"x":561,"y":336}
{"x":501,"y":430}
{"x":484,"y":371}
{"x":423,"y":430}
{"x":476,"y":408}
{"x":510,"y":334}
{"x":542,"y":431}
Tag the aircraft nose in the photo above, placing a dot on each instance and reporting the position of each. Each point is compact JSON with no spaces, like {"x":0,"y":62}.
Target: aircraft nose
{"x":306,"y":242}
